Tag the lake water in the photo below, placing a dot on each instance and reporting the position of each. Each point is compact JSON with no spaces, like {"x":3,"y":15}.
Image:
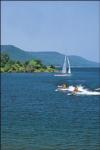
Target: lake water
{"x":35,"y":117}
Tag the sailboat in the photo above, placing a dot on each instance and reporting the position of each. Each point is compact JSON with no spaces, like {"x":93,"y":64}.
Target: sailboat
{"x":64,"y":71}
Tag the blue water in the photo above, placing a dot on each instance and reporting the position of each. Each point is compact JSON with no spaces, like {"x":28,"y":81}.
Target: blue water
{"x":35,"y":117}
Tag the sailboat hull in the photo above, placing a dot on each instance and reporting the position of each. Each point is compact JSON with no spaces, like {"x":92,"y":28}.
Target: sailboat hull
{"x":62,"y":75}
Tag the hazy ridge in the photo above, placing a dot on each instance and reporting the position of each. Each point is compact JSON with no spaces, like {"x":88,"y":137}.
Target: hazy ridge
{"x":51,"y":57}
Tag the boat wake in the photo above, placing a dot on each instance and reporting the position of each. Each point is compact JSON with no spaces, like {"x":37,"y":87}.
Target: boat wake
{"x":81,"y":90}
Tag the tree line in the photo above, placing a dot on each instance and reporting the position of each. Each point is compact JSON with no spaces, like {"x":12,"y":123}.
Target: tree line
{"x":8,"y":65}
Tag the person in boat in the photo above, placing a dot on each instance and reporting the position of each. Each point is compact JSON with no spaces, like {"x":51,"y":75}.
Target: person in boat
{"x":64,"y":86}
{"x":76,"y":90}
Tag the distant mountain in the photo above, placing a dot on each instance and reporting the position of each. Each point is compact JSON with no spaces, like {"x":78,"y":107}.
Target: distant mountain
{"x":47,"y":58}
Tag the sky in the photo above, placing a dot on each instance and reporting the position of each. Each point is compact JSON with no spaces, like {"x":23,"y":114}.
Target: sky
{"x":67,"y":27}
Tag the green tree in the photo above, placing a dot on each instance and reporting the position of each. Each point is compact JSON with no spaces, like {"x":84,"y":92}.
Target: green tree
{"x":26,"y":63}
{"x":4,"y":59}
{"x":36,"y":64}
{"x":19,"y":63}
{"x":29,"y":68}
{"x":51,"y":66}
{"x":11,"y":62}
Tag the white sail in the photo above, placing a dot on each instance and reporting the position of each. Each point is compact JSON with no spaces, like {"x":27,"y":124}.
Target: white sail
{"x":69,"y":68}
{"x":64,"y":69}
